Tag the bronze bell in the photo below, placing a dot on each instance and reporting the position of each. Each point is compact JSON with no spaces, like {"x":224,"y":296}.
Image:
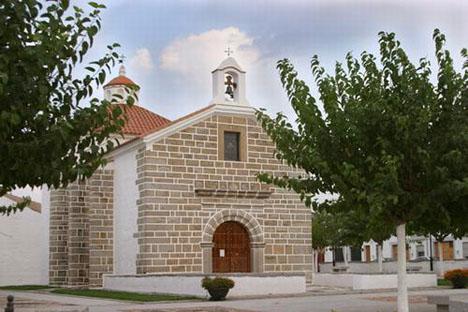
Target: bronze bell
{"x":230,"y":86}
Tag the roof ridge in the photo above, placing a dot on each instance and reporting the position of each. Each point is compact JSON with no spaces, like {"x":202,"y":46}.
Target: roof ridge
{"x":177,"y":120}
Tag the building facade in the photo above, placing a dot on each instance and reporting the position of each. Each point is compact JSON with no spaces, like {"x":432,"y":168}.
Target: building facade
{"x":418,"y":249}
{"x":182,"y":197}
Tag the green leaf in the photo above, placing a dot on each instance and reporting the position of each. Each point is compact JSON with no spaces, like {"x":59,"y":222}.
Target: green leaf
{"x":46,"y":126}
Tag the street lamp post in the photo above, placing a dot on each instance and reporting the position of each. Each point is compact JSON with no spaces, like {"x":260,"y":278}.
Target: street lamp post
{"x":430,"y":254}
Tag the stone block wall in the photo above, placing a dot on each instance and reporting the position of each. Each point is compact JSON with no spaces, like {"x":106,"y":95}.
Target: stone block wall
{"x":100,"y":203}
{"x":78,"y":235}
{"x":185,"y":192}
{"x":183,"y":183}
{"x":58,"y":237}
{"x":81,"y":231}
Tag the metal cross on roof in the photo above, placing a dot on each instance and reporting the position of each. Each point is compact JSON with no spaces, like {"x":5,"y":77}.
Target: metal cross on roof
{"x":229,"y":51}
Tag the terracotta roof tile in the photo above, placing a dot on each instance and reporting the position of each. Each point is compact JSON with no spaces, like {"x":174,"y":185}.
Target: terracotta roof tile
{"x":166,"y":124}
{"x":120,"y":80}
{"x":140,"y":120}
{"x":178,"y":120}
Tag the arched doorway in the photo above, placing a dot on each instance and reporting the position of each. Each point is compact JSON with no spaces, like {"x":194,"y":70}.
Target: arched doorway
{"x":231,"y":248}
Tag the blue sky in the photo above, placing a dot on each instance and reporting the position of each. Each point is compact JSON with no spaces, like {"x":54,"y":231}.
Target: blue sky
{"x":172,"y":46}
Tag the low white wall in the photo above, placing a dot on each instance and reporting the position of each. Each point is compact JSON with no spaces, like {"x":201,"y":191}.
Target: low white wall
{"x":24,"y":246}
{"x":190,"y":284}
{"x":372,"y":281}
{"x":391,"y":266}
{"x":331,"y":279}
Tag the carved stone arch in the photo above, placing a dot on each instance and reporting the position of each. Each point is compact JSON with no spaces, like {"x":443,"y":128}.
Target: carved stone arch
{"x":247,"y":220}
{"x":252,"y":226}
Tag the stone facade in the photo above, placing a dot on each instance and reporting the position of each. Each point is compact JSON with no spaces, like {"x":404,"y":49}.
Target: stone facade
{"x":81,"y":231}
{"x":186,"y":191}
{"x":178,"y":190}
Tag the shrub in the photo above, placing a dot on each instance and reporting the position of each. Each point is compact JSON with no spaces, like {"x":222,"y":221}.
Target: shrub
{"x":217,"y":287}
{"x":458,"y":277}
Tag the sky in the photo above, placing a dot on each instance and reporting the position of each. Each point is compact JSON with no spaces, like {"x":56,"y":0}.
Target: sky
{"x":171,"y":47}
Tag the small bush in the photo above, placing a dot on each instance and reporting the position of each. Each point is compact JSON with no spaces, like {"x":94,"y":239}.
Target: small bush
{"x":217,"y":287}
{"x":458,"y":277}
{"x":217,"y":282}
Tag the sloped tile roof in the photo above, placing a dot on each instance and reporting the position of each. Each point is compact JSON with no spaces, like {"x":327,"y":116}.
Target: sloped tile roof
{"x":120,"y":80}
{"x":179,"y":119}
{"x":140,"y":120}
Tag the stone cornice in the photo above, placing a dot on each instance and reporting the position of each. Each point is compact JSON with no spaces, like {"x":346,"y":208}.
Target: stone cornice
{"x":232,"y":193}
{"x":224,"y":109}
{"x":182,"y":123}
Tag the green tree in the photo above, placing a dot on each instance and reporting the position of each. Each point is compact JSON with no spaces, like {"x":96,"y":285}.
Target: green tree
{"x":388,"y":139}
{"x":353,"y":228}
{"x":359,"y":228}
{"x":379,"y":231}
{"x":52,"y":131}
{"x":327,"y":231}
{"x":320,"y":236}
{"x":440,"y":227}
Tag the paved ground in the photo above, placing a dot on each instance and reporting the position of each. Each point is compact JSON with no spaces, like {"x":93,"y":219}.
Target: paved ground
{"x":311,"y":302}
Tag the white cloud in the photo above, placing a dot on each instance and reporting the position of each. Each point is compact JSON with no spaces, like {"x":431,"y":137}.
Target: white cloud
{"x":142,"y":60}
{"x":195,"y":56}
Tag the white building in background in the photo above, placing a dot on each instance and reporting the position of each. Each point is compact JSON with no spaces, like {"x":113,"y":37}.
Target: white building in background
{"x":24,"y":243}
{"x":418,"y":249}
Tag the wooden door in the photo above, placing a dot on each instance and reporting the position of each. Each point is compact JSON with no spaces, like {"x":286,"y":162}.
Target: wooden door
{"x":356,"y":254}
{"x":321,"y":256}
{"x":447,"y":250}
{"x":395,"y":251}
{"x":367,"y":253}
{"x":231,"y":250}
{"x":339,"y":257}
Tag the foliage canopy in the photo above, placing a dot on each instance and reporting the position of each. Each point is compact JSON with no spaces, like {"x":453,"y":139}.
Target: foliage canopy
{"x":387,"y":141}
{"x":52,"y":131}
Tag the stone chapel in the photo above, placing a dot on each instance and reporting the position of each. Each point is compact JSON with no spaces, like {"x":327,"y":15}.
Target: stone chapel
{"x":181,"y":197}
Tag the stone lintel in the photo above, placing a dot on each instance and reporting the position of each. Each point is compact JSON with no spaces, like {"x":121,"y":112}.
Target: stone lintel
{"x":232,"y":193}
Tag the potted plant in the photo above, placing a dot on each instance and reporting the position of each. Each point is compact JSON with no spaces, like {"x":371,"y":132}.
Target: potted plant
{"x":458,"y":277}
{"x":217,"y":287}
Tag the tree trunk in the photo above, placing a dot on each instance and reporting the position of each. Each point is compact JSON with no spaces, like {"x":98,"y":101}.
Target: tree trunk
{"x":441,"y":258}
{"x":402,"y":283}
{"x":345,"y":256}
{"x":380,"y":257}
{"x":316,"y":256}
{"x":318,"y":261}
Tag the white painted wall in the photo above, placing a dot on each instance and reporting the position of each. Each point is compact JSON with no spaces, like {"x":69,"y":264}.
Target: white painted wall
{"x":372,"y":281}
{"x":190,"y":284}
{"x":391,"y":266}
{"x":332,"y":279}
{"x":24,"y":245}
{"x":125,"y":213}
{"x":412,"y":243}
